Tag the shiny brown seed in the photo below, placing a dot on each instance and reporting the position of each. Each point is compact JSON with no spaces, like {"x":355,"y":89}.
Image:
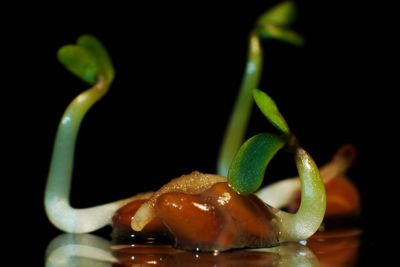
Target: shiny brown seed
{"x":193,"y":221}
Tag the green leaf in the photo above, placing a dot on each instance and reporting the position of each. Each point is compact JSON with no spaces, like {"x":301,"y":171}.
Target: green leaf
{"x":270,"y":111}
{"x":275,"y":23}
{"x":247,"y":170}
{"x":96,"y":48}
{"x":80,"y":62}
{"x":281,"y":15}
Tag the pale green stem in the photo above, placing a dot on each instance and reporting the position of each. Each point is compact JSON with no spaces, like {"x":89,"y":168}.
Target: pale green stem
{"x":57,"y":205}
{"x":307,"y":220}
{"x":236,"y":129}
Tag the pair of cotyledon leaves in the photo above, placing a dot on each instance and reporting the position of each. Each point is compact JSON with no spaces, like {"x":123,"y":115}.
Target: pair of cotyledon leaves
{"x":89,"y":60}
{"x":247,"y":169}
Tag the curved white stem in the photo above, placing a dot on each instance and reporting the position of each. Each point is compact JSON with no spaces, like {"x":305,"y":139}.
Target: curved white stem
{"x":57,"y":205}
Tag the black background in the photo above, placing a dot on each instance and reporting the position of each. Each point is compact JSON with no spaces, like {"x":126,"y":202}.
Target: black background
{"x":178,"y":68}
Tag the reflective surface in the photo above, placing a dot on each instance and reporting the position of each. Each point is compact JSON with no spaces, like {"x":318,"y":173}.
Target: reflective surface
{"x":337,"y":248}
